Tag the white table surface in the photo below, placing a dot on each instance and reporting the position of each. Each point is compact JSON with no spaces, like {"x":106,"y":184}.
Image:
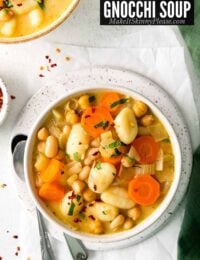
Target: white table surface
{"x":83,"y":29}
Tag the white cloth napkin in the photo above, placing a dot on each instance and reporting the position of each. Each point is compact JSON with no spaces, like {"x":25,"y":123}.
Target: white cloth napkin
{"x":158,"y":59}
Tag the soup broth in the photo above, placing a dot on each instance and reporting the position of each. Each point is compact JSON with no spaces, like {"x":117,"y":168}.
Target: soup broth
{"x":102,"y":162}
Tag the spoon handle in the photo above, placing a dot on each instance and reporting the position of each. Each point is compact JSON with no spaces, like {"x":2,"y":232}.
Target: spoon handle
{"x":46,"y":249}
{"x":76,"y":248}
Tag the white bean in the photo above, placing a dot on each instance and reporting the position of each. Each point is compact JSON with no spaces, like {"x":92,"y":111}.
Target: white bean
{"x":51,"y":147}
{"x":78,"y":186}
{"x":43,"y":133}
{"x":126,"y":125}
{"x":117,"y":197}
{"x":83,"y":175}
{"x":128,"y":224}
{"x":117,"y":222}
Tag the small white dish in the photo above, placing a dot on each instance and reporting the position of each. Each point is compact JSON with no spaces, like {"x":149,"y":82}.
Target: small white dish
{"x":5,"y":106}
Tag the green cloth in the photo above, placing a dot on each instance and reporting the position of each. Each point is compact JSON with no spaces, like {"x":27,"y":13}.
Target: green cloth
{"x":189,"y":237}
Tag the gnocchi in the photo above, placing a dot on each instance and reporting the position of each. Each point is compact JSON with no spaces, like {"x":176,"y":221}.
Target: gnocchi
{"x":101,"y":162}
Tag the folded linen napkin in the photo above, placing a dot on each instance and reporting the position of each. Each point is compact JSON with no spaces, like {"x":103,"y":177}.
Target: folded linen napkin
{"x":189,"y":237}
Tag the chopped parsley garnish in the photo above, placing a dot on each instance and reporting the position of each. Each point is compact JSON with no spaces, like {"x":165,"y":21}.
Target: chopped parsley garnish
{"x":166,"y":140}
{"x":78,"y":197}
{"x":104,"y":212}
{"x":81,"y":215}
{"x":76,"y":157}
{"x":113,"y":173}
{"x":114,"y":144}
{"x":71,"y":209}
{"x":92,"y":99}
{"x":7,"y":4}
{"x":104,"y":124}
{"x":98,"y":165}
{"x":131,"y":159}
{"x":119,"y":102}
{"x":40,"y":3}
{"x":116,"y":153}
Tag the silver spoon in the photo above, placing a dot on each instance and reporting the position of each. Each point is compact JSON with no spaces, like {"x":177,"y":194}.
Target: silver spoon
{"x":76,"y":248}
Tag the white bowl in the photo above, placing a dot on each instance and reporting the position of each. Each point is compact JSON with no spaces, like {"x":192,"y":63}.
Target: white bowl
{"x":6,"y":100}
{"x":111,"y":237}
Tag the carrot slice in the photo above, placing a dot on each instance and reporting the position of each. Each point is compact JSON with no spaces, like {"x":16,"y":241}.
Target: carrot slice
{"x":113,"y":160}
{"x":52,"y":172}
{"x":51,"y":191}
{"x":96,"y":120}
{"x":146,"y":148}
{"x":144,"y":190}
{"x":109,"y":99}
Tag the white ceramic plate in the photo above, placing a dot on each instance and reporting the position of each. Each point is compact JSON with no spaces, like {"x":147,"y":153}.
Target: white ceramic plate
{"x":108,"y":77}
{"x":6,"y":99}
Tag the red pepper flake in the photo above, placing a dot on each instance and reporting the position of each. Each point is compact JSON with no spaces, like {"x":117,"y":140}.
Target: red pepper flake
{"x":84,"y":209}
{"x":15,"y":237}
{"x":95,"y":187}
{"x":20,"y":4}
{"x":1,"y":258}
{"x":87,"y":116}
{"x":41,"y":75}
{"x":92,"y":217}
{"x":47,"y":57}
{"x":73,"y":196}
{"x":13,"y":97}
{"x":58,"y":50}
{"x":98,"y":200}
{"x":76,"y":220}
{"x":53,"y":65}
{"x":1,"y":98}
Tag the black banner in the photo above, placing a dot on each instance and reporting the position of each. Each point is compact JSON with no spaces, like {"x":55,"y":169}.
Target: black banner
{"x":147,"y":12}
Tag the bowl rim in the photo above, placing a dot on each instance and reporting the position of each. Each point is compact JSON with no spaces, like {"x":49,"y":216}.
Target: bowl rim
{"x":47,"y":29}
{"x":146,"y":223}
{"x":6,"y":101}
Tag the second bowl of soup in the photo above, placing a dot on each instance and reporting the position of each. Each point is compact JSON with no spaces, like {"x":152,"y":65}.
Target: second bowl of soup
{"x":22,"y":20}
{"x":102,"y":163}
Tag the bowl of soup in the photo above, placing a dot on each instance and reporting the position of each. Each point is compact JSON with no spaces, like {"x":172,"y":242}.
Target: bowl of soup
{"x":23,"y":20}
{"x":102,"y":164}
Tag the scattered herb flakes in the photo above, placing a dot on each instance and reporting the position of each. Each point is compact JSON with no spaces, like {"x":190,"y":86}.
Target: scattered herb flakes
{"x":81,"y":215}
{"x":115,"y":144}
{"x":40,"y":3}
{"x":7,"y":4}
{"x":78,"y":197}
{"x":131,"y":159}
{"x":3,"y":185}
{"x":98,"y":165}
{"x":67,"y":58}
{"x":76,"y":157}
{"x":113,"y":173}
{"x":71,"y":209}
{"x":104,"y":124}
{"x":166,"y":140}
{"x":92,"y":99}
{"x":119,"y":102}
{"x":58,"y":50}
{"x":116,"y":153}
{"x":104,"y":212}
